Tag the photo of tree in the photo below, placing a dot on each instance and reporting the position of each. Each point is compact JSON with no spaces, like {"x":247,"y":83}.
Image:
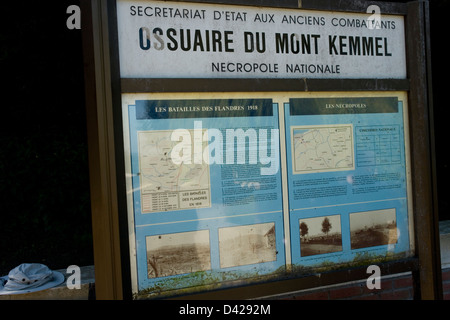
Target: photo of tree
{"x":320,"y":235}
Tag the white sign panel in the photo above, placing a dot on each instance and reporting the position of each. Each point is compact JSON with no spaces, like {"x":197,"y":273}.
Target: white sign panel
{"x":187,"y":40}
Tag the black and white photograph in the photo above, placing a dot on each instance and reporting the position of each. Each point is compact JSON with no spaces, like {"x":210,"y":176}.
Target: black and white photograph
{"x":178,"y":253}
{"x":243,"y":245}
{"x":320,"y":235}
{"x":373,"y":228}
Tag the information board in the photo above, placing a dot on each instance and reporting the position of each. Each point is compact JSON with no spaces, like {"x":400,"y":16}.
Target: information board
{"x":265,"y":148}
{"x":188,"y":40}
{"x":243,"y":187}
{"x":348,"y":178}
{"x":205,"y":189}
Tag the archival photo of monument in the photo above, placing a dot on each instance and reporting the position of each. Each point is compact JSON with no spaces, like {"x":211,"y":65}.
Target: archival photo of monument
{"x":373,"y":228}
{"x":178,"y":253}
{"x":320,"y":235}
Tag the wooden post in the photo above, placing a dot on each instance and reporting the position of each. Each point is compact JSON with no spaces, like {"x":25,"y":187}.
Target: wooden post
{"x":422,"y":153}
{"x":102,"y":163}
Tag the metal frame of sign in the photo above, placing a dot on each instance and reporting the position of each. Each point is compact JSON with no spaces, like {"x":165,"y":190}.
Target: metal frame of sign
{"x":104,"y":89}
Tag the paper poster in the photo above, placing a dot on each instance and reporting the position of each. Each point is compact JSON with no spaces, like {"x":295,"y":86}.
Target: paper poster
{"x":347,"y":176}
{"x":254,"y":186}
{"x":205,"y":190}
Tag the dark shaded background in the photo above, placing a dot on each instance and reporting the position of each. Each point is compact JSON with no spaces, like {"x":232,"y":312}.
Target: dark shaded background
{"x":44,"y":178}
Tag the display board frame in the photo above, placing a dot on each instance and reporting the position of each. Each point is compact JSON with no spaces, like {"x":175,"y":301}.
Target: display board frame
{"x":105,"y":88}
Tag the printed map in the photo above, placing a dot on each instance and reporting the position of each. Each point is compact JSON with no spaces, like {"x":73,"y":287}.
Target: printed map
{"x":323,"y":148}
{"x":166,"y":186}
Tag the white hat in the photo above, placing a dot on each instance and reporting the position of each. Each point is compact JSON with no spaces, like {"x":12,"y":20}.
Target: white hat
{"x":29,"y":277}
